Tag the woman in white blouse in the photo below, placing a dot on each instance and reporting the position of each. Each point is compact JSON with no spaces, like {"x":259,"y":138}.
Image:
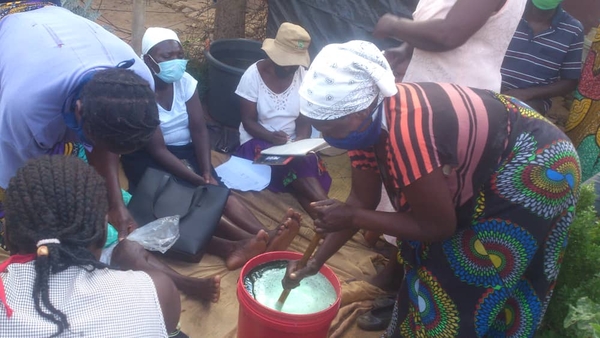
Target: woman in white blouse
{"x":181,"y":147}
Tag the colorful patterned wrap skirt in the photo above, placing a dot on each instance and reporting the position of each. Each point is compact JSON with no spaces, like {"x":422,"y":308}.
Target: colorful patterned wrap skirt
{"x":495,"y":276}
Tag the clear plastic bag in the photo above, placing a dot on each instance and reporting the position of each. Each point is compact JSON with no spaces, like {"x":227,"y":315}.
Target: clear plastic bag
{"x":159,"y":235}
{"x":107,"y":254}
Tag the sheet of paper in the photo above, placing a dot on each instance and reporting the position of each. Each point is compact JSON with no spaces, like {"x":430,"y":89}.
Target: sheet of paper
{"x":241,"y":174}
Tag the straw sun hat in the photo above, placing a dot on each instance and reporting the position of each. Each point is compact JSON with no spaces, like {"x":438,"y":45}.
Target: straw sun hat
{"x":290,"y":46}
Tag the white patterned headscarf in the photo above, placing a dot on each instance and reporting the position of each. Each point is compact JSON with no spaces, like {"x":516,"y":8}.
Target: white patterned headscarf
{"x":344,"y":79}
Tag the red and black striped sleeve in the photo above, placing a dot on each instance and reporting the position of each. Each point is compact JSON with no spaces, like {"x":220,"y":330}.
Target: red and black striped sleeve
{"x":363,"y":160}
{"x":412,"y":142}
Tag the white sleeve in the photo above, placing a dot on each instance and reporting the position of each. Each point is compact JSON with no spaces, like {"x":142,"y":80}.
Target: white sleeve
{"x":188,"y":86}
{"x":248,"y":86}
{"x":301,"y":73}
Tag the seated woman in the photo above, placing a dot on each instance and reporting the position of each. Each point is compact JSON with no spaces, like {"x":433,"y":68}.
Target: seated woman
{"x":53,"y":284}
{"x":484,"y":190}
{"x":270,"y":109}
{"x":181,"y":146}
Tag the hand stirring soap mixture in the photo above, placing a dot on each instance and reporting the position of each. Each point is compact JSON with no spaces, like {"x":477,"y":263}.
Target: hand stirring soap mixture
{"x":314,"y":294}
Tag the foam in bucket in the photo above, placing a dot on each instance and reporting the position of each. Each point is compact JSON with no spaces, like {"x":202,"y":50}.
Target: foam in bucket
{"x":314,"y":294}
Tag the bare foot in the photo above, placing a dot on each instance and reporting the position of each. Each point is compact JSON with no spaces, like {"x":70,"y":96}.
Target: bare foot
{"x":288,"y":214}
{"x":203,"y":288}
{"x":247,"y":249}
{"x":281,"y":238}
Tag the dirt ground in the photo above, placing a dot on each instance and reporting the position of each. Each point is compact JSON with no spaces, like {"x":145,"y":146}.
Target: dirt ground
{"x":193,"y":20}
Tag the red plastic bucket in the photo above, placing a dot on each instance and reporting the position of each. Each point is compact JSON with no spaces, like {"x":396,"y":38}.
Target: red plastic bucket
{"x":258,"y":321}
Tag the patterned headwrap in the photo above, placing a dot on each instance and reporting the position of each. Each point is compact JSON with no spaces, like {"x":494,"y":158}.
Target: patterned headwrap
{"x":344,"y":79}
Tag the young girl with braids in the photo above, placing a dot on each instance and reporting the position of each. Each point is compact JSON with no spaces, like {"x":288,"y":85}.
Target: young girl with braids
{"x":53,"y":284}
{"x":115,"y":109}
{"x":83,"y":102}
{"x":52,"y":54}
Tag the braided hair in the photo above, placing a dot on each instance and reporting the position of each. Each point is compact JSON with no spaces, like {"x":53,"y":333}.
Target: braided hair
{"x":119,"y":110}
{"x":56,"y":197}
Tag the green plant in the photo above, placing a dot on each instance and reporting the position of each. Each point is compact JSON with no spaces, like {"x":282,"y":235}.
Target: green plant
{"x":585,"y":317}
{"x":579,"y":271}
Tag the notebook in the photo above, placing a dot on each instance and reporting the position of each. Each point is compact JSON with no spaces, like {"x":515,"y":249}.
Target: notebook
{"x":283,"y":154}
{"x":297,"y":148}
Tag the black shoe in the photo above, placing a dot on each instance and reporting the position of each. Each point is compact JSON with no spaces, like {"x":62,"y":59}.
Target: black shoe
{"x":382,"y":302}
{"x":379,"y":317}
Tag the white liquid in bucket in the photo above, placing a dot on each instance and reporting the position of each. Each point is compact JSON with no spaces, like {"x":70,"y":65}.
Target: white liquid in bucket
{"x":314,"y":294}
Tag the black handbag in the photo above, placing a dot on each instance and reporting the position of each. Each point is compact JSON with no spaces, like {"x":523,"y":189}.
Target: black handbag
{"x":223,"y":139}
{"x":160,"y":194}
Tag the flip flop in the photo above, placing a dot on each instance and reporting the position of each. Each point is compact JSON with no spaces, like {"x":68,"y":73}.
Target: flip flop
{"x":383,"y":302}
{"x":376,"y":320}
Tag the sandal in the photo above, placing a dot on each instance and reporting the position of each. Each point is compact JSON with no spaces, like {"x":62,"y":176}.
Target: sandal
{"x":379,"y":317}
{"x":382,"y":302}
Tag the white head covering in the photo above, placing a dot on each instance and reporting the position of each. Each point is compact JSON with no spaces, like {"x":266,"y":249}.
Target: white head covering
{"x":156,"y":35}
{"x":344,"y":79}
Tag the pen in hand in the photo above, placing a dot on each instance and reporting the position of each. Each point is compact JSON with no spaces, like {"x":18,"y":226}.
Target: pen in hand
{"x":280,"y":134}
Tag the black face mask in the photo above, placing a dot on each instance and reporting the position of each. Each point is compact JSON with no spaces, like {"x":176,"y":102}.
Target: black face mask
{"x":283,"y":72}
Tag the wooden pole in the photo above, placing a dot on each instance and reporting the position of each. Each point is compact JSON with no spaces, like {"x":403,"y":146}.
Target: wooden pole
{"x":230,"y":19}
{"x":138,"y":24}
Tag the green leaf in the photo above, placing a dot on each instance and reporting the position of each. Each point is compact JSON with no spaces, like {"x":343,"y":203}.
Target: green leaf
{"x":585,"y":316}
{"x":579,"y":275}
{"x":596,"y":328}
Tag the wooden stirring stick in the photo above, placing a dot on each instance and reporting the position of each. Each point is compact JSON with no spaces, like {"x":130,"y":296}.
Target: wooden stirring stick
{"x":309,"y":251}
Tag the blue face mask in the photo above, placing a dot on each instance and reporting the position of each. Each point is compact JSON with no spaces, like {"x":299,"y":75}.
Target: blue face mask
{"x":77,"y":127}
{"x":360,"y":139}
{"x":69,"y":115}
{"x":171,"y":71}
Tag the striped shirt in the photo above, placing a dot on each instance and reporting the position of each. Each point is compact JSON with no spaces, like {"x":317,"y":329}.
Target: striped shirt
{"x":431,"y":126}
{"x":547,"y":57}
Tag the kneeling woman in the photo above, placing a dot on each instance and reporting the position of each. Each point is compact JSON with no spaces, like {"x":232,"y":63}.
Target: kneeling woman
{"x":484,"y":188}
{"x":53,"y":284}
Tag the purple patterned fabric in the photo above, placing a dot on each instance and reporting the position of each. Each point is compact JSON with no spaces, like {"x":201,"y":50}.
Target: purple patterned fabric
{"x":283,"y":175}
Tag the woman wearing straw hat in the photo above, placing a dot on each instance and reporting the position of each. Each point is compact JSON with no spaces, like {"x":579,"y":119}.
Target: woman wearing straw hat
{"x":270,"y":109}
{"x":484,"y":190}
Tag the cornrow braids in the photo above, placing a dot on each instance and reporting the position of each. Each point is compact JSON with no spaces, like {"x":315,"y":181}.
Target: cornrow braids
{"x":56,"y":197}
{"x":119,"y":110}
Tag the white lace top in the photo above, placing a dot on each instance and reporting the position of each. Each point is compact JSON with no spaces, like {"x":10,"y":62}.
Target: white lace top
{"x":102,"y":303}
{"x":275,"y":111}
